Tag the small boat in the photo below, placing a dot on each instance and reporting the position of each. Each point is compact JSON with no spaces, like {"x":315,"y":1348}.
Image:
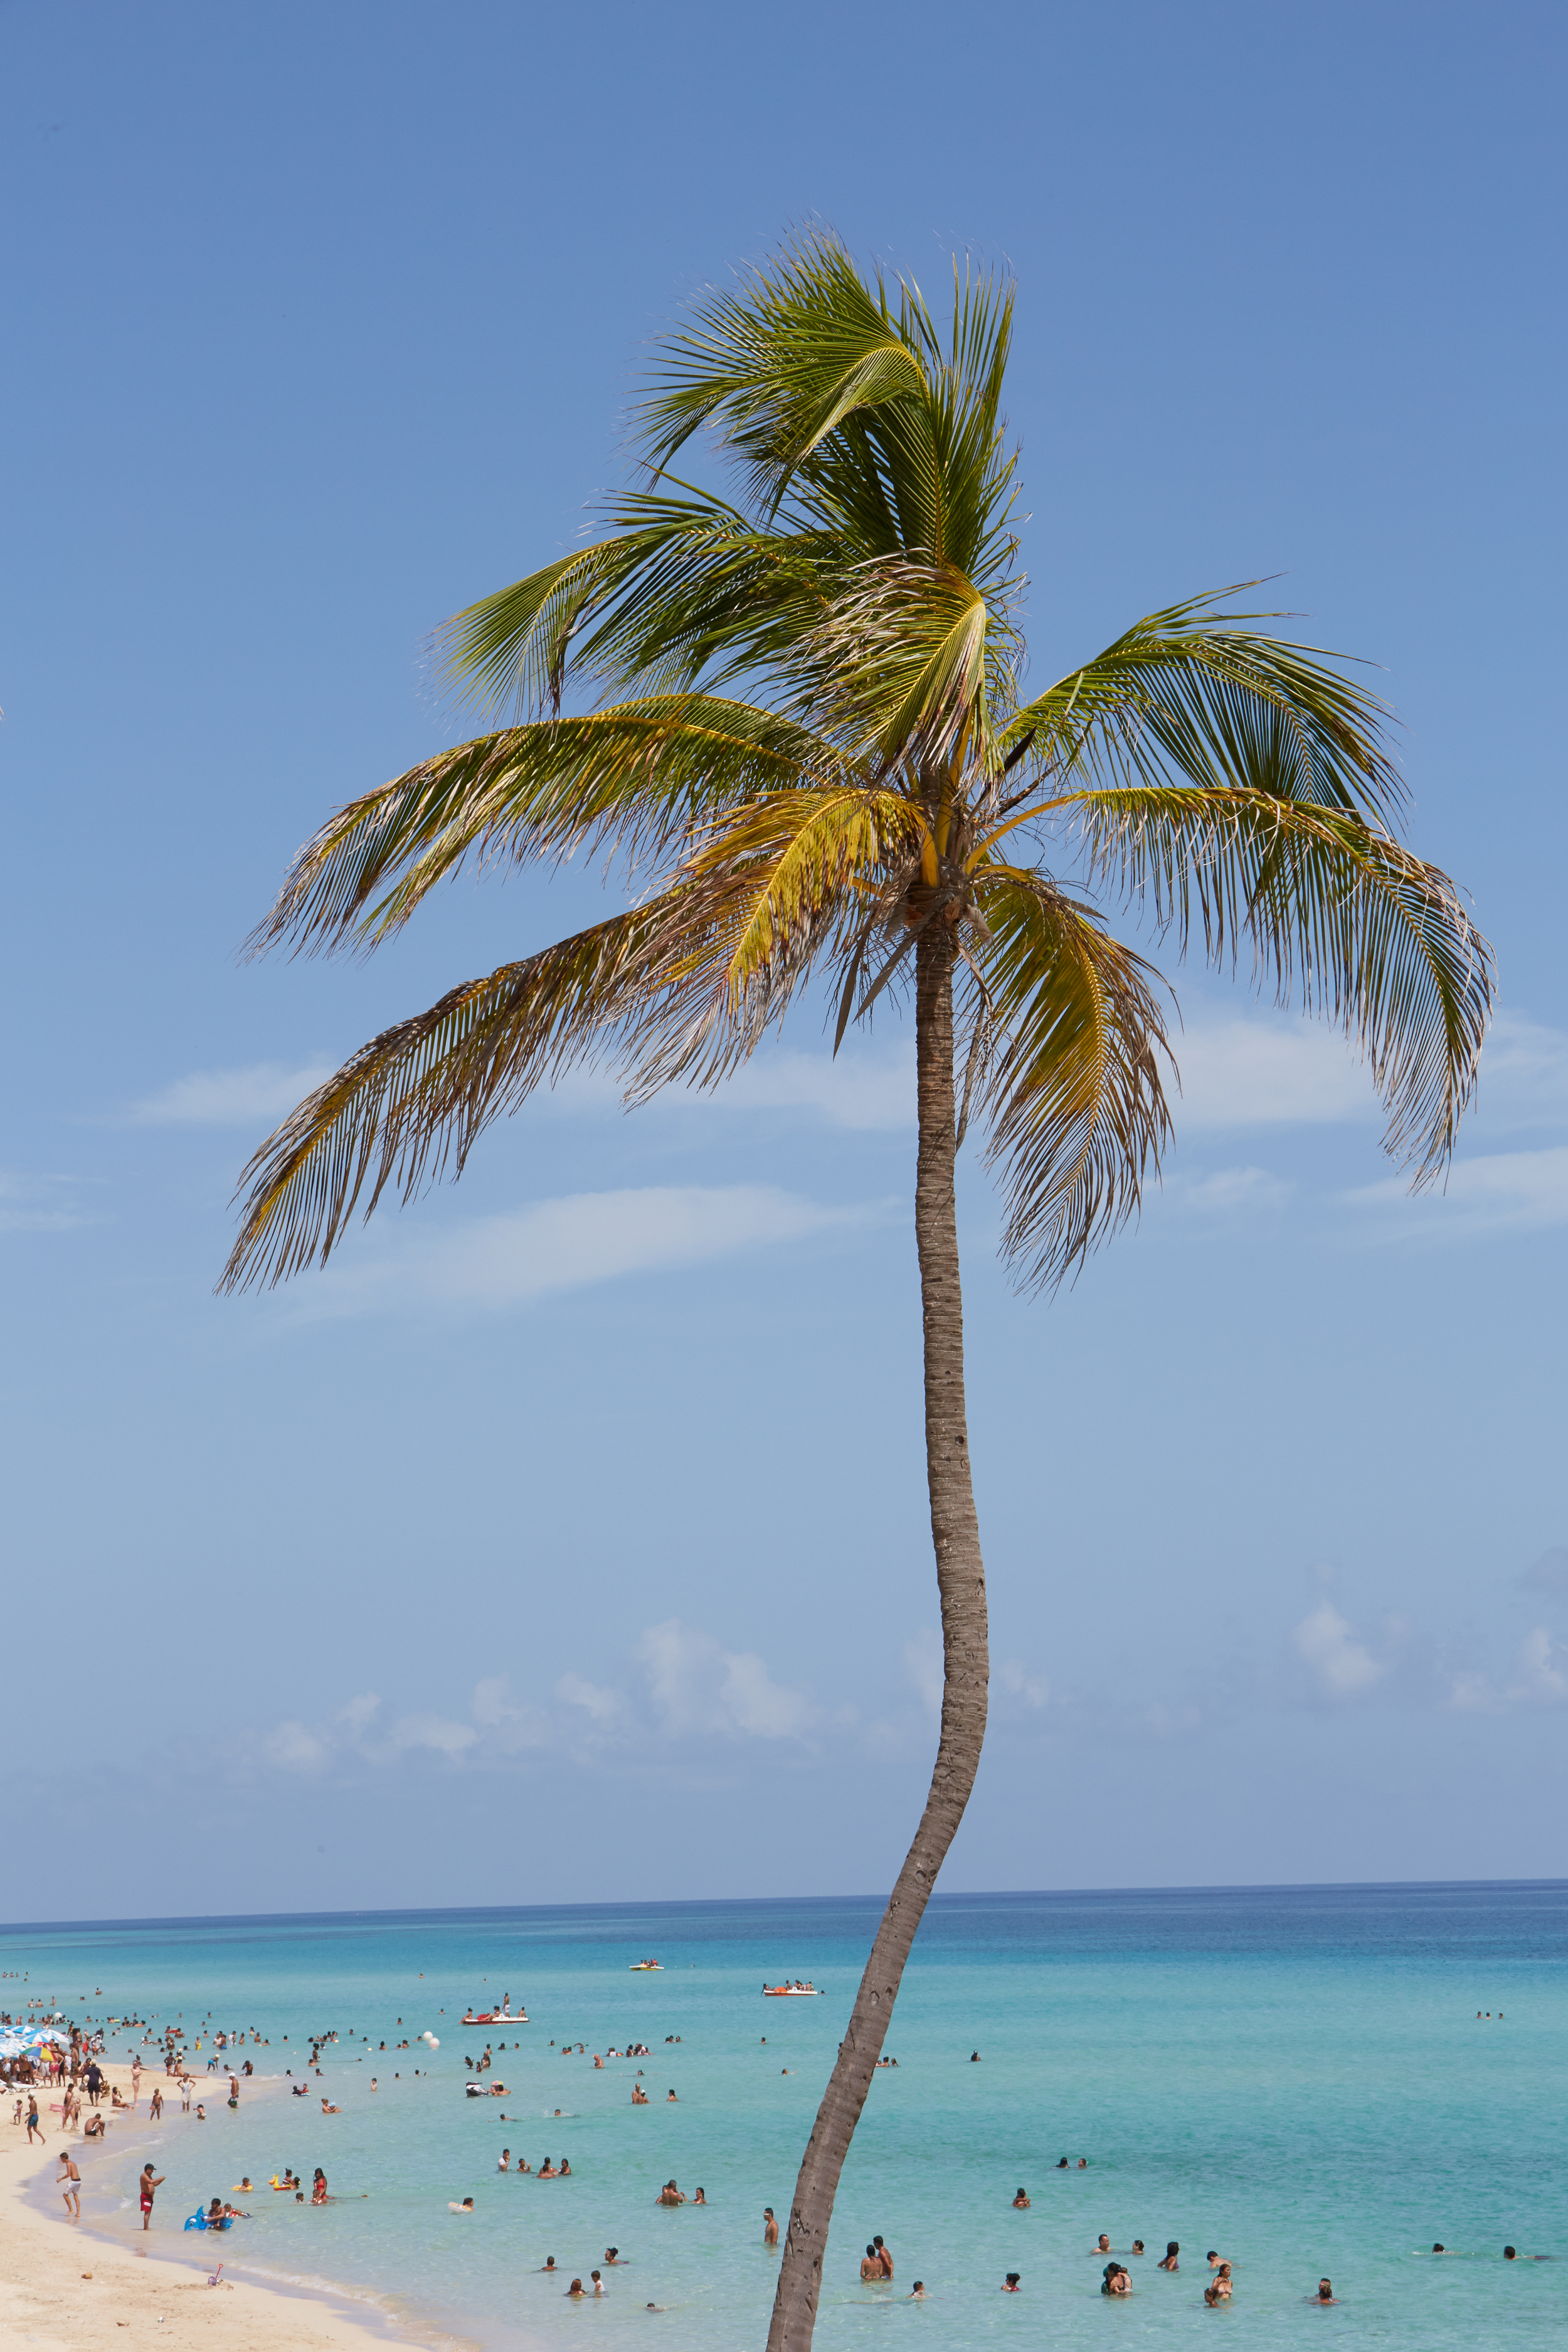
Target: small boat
{"x":641,"y":1967}
{"x":792,"y":1992}
{"x":496,"y":2017}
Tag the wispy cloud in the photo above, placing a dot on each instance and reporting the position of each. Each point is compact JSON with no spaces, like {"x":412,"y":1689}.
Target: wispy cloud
{"x":864,"y":1088}
{"x":1265,"y":1072}
{"x":697,"y":1687}
{"x":262,"y":1093}
{"x":1524,"y":1074}
{"x":1340,"y":1666}
{"x":562,"y":1244}
{"x":1228,"y":1190}
{"x":1520,"y":1191}
{"x":40,"y":1204}
{"x":1033,"y":1689}
{"x":924,"y":1667}
{"x":1540,"y":1678}
{"x":692,"y":1689}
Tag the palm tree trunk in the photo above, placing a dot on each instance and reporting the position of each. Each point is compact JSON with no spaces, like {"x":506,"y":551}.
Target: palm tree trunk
{"x":960,"y":1579}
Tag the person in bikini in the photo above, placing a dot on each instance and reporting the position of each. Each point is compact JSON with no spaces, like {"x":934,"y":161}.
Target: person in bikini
{"x":1173,"y":2249}
{"x":871,"y":2265}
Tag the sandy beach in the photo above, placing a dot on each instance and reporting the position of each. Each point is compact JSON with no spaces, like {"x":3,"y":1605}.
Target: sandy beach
{"x":63,"y":2285}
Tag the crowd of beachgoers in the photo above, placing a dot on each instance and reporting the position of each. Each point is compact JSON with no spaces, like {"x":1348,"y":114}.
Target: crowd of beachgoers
{"x":48,"y":2052}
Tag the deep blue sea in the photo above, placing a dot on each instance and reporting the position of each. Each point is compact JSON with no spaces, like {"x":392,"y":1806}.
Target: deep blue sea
{"x":1296,"y":2077}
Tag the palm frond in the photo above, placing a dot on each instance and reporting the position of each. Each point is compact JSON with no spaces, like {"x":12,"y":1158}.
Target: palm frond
{"x":681,"y":988}
{"x":1072,"y":1095}
{"x":1189,"y":692}
{"x":1340,"y":919}
{"x":634,"y":779}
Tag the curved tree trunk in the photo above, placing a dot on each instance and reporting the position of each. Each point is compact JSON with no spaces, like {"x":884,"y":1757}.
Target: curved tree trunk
{"x":960,"y":1579}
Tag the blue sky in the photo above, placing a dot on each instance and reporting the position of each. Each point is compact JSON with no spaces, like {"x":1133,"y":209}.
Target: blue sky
{"x":568,"y":1538}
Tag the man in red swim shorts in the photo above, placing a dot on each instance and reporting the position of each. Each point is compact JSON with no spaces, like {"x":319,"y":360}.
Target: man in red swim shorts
{"x":149,"y":2187}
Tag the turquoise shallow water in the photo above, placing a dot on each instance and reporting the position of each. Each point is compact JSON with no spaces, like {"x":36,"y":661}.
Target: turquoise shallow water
{"x":1296,"y":2077}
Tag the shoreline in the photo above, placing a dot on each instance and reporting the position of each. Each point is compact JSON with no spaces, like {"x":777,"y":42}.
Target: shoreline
{"x":78,"y":2286}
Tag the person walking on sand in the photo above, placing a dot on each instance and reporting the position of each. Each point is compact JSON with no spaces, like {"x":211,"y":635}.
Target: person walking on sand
{"x":148,"y":2187}
{"x":68,"y":2181}
{"x":33,"y":2123}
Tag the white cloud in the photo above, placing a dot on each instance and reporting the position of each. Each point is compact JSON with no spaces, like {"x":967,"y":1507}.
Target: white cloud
{"x":861,"y":1088}
{"x":858,"y":1090}
{"x":1517,"y":1192}
{"x":1538,"y":1680}
{"x":923,"y":1666}
{"x":696,"y":1686}
{"x":586,"y":1237}
{"x":1524,"y":1074}
{"x":1269,"y":1072}
{"x":263,"y":1092}
{"x":1232,"y":1188}
{"x":296,"y":1748}
{"x":1342,"y":1666}
{"x":604,"y":1705}
{"x":33,"y":1205}
{"x":437,"y":1732}
{"x":1016,"y":1677}
{"x":758,"y":1704}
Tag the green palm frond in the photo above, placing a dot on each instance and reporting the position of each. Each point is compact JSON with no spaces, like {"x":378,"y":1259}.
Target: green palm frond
{"x":1338,"y":915}
{"x":632,"y":780}
{"x":809,"y":752}
{"x":1190,"y":691}
{"x":1073,"y":1094}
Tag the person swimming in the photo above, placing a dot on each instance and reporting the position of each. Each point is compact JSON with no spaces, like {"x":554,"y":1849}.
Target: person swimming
{"x":1326,"y":2291}
{"x":1013,"y":2283}
{"x":1115,"y":2280}
{"x":1173,"y":2248}
{"x":1020,"y":2202}
{"x":1104,"y":2245}
{"x":1137,"y":2245}
{"x":918,"y":2292}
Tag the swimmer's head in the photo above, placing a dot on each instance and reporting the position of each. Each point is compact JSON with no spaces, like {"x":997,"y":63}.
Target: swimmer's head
{"x":1325,"y":2290}
{"x":1509,"y":2255}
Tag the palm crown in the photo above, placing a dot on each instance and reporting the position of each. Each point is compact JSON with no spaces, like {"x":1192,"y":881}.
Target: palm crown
{"x":810,"y":736}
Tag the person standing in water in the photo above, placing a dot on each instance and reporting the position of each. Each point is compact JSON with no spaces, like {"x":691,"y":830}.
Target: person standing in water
{"x":770,"y":2227}
{"x":148,"y":2187}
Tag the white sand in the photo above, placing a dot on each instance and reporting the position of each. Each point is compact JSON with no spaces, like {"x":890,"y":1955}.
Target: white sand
{"x":65,"y":2289}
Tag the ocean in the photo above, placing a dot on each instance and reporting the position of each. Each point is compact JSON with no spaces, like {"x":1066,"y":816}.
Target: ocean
{"x":1296,"y":2077}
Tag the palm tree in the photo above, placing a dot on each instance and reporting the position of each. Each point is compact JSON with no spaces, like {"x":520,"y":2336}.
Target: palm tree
{"x":805,"y":735}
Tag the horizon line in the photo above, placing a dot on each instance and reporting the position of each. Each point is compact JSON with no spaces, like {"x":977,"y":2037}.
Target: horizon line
{"x":448,"y":1912}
